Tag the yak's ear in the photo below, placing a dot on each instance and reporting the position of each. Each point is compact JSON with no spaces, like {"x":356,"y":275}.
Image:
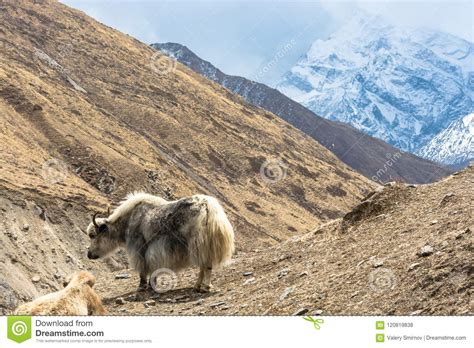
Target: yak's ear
{"x":90,"y":280}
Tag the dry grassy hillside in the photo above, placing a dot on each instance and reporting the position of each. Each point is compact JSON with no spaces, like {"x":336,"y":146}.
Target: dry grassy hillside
{"x":404,"y":250}
{"x":88,"y":114}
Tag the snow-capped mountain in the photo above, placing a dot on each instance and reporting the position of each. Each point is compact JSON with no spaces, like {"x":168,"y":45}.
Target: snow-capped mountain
{"x":454,"y":145}
{"x":402,"y":85}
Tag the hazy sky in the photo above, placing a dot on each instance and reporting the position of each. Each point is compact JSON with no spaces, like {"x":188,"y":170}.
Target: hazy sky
{"x":262,"y":39}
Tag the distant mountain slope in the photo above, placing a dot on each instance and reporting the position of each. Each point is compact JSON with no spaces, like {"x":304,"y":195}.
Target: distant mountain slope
{"x":369,"y":156}
{"x":88,"y":114}
{"x":454,"y":145}
{"x":398,"y":84}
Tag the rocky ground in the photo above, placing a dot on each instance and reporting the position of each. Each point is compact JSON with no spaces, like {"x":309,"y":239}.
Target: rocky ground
{"x":405,"y":250}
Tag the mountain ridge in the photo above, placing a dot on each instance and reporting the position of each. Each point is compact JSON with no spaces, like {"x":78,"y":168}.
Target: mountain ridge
{"x":370,"y":156}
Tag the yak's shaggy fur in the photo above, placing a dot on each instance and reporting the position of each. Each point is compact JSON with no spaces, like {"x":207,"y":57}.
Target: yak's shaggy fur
{"x":161,"y":234}
{"x":77,"y":298}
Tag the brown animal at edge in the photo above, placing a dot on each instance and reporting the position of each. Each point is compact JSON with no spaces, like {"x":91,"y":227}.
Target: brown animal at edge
{"x":77,"y":298}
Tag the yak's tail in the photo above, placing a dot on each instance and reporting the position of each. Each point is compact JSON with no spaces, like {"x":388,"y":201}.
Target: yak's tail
{"x":215,"y":239}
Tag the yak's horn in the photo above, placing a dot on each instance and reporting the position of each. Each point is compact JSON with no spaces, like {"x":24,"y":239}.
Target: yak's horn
{"x":93,"y":219}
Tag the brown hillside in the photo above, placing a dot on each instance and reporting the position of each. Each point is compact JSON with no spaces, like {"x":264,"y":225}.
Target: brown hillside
{"x":89,"y":114}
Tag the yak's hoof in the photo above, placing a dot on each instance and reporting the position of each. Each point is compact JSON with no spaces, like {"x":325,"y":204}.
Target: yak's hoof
{"x":204,"y":288}
{"x":143,"y":287}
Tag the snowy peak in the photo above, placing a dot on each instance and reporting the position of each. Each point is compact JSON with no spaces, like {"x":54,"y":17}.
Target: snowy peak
{"x":454,"y":145}
{"x":402,"y":85}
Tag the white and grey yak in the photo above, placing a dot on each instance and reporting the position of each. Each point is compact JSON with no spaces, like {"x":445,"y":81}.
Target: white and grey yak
{"x":161,"y":234}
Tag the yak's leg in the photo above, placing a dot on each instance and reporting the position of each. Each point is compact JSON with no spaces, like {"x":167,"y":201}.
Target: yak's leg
{"x":206,"y":280}
{"x":142,"y":267}
{"x":143,"y":282}
{"x":197,"y":286}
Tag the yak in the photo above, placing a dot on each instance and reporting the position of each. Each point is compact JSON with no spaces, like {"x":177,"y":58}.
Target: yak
{"x":157,"y":234}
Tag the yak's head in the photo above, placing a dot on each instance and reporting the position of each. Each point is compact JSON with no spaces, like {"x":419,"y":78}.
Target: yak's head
{"x":104,"y":238}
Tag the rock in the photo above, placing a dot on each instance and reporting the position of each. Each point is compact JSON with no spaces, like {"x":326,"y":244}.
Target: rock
{"x":427,"y":250}
{"x":284,"y":257}
{"x":26,"y":227}
{"x":120,"y":300}
{"x":35,"y":279}
{"x":287,"y":292}
{"x":354,"y":294}
{"x":433,"y":222}
{"x":413,"y":266}
{"x":447,"y":197}
{"x":149,"y":303}
{"x":412,"y":185}
{"x":283,"y":273}
{"x":131,"y":298}
{"x":247,"y":274}
{"x":303,"y":274}
{"x":377,"y":263}
{"x":122,"y":276}
{"x":216,"y":304}
{"x":250,"y":281}
{"x":461,"y":235}
{"x":301,"y":311}
{"x":318,"y":312}
{"x":417,"y":312}
{"x":182,"y":298}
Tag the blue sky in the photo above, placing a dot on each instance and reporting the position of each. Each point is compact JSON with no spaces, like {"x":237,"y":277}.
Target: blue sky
{"x":262,"y":39}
